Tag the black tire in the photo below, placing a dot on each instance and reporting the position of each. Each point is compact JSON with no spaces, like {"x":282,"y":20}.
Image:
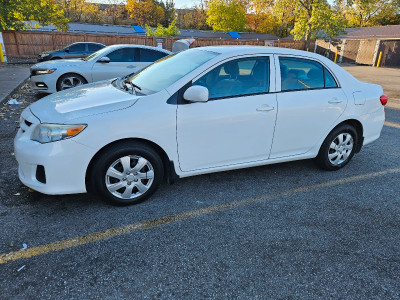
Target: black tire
{"x":76,"y":78}
{"x":328,"y":155}
{"x":102,"y":183}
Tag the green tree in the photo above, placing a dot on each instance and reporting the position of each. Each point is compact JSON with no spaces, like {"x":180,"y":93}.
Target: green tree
{"x":13,"y":13}
{"x":360,"y":13}
{"x":171,"y":30}
{"x":315,"y":18}
{"x":226,"y":15}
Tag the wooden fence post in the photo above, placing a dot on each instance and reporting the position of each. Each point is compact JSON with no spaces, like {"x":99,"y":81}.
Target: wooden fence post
{"x":17,"y":44}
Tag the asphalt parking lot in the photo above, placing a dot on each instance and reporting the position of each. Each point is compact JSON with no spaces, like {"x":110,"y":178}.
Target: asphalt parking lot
{"x":285,"y":231}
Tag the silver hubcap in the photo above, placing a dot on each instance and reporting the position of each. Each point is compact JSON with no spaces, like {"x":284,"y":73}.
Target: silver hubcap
{"x":70,"y":82}
{"x":340,"y":148}
{"x":129,"y":177}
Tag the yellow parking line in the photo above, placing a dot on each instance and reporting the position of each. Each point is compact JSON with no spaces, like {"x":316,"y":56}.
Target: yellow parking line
{"x":97,"y":236}
{"x":392,"y":124}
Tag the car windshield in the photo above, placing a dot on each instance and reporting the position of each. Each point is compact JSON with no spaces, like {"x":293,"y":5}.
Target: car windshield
{"x":96,"y":54}
{"x":168,"y":70}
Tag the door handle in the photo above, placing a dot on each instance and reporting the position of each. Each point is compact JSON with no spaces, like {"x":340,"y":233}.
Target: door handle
{"x":265,"y":108}
{"x":335,"y":100}
{"x":131,"y":67}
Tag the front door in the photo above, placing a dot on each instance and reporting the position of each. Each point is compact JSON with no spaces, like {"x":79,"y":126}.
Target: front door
{"x":123,"y":61}
{"x":237,"y":124}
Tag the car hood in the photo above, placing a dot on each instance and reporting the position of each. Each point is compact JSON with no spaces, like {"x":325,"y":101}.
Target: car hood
{"x":51,"y":64}
{"x":90,"y":99}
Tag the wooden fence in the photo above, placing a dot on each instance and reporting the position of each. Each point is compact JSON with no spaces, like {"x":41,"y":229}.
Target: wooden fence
{"x":24,"y":44}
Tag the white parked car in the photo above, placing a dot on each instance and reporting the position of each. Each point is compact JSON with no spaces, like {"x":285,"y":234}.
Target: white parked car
{"x":199,"y":111}
{"x":109,"y":62}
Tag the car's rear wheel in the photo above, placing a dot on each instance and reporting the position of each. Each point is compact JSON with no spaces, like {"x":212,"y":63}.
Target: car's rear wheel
{"x":127,"y":173}
{"x":70,"y":80}
{"x":338,"y":148}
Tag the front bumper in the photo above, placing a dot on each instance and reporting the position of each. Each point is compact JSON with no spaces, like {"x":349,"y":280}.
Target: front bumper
{"x":51,"y":168}
{"x":44,"y":83}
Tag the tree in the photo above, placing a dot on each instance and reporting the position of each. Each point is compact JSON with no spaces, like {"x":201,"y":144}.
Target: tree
{"x":80,"y":11}
{"x":315,"y":18}
{"x":13,"y":13}
{"x":171,"y":30}
{"x":362,"y":13}
{"x":169,"y":11}
{"x":115,"y":11}
{"x":195,"y":18}
{"x":145,"y":12}
{"x":226,"y":15}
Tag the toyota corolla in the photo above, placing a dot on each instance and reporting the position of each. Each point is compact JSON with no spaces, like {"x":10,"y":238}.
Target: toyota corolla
{"x":199,"y":111}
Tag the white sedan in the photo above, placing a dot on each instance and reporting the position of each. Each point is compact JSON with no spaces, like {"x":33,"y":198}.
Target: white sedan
{"x":109,"y":62}
{"x":199,"y":111}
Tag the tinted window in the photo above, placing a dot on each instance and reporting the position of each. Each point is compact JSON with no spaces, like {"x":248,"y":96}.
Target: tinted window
{"x":77,"y":48}
{"x":300,"y":74}
{"x":94,"y":47}
{"x":238,"y":77}
{"x":122,"y":55}
{"x":329,"y":81}
{"x":147,"y":55}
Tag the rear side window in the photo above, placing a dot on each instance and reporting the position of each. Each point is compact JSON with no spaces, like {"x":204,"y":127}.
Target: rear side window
{"x":148,"y":55}
{"x":300,"y":74}
{"x":94,"y":47}
{"x":122,"y":55}
{"x":329,"y":81}
{"x":238,"y":77}
{"x":77,"y":48}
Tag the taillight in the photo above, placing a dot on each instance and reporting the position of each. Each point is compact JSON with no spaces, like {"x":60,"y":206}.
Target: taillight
{"x":384,"y":99}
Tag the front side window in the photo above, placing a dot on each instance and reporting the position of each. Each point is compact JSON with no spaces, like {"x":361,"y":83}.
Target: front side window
{"x":238,"y":77}
{"x":122,"y":55}
{"x":77,"y":48}
{"x":304,"y":74}
{"x":148,"y":55}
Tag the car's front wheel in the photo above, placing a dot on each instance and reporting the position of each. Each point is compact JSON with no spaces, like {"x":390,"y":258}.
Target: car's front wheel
{"x":127,"y":173}
{"x":338,"y":148}
{"x":70,"y":80}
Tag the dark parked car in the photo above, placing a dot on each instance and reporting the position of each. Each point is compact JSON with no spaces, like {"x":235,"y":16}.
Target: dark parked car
{"x":75,"y":50}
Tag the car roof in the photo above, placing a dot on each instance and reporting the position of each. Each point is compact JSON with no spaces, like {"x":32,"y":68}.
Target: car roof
{"x":244,"y":50}
{"x":138,"y":46}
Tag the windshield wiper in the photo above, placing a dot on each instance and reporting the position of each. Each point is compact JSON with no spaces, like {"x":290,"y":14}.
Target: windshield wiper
{"x":133,"y":86}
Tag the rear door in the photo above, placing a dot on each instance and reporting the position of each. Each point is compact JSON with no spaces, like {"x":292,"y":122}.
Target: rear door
{"x":309,"y":103}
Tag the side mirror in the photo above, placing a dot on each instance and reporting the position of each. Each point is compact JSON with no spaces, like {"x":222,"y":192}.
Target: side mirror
{"x":104,"y":59}
{"x":196,"y":93}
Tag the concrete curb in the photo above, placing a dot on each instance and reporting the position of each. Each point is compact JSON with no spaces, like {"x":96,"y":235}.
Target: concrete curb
{"x":21,"y":83}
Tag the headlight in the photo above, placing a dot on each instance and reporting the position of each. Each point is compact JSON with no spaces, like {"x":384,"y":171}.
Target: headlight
{"x":45,"y":54}
{"x":46,"y":133}
{"x":44,"y":71}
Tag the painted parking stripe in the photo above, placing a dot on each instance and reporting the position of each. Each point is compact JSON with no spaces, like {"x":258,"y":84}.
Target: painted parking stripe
{"x":392,"y":124}
{"x":113,"y":232}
